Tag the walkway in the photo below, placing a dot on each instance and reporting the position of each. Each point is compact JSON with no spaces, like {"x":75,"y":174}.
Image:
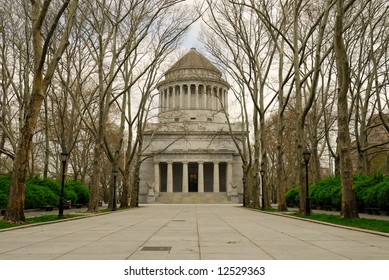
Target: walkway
{"x":190,"y":232}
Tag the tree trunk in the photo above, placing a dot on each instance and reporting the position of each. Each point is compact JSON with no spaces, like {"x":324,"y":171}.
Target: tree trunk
{"x":95,"y":180}
{"x":126,"y":188}
{"x":349,"y":208}
{"x":135,"y":187}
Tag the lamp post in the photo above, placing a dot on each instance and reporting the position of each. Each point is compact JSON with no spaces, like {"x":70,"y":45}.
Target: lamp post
{"x":307,"y":156}
{"x":64,"y":158}
{"x":114,"y":173}
{"x":244,"y":191}
{"x":262,"y":172}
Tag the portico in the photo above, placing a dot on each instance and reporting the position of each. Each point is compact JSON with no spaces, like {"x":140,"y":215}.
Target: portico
{"x":191,"y":176}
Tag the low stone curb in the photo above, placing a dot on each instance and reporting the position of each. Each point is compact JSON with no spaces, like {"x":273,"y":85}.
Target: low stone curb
{"x":283,"y":214}
{"x":53,"y":222}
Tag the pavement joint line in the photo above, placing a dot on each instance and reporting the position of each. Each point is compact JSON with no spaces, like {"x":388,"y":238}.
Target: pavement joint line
{"x":110,"y":233}
{"x":320,"y":222}
{"x":198,"y":234}
{"x":247,"y":238}
{"x":306,"y":241}
{"x":54,"y":222}
{"x":156,"y":232}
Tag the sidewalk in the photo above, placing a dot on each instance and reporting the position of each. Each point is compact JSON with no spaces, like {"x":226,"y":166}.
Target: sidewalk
{"x":193,"y":232}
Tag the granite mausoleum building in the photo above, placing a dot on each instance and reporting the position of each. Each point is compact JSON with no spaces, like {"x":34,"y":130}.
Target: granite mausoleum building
{"x":190,"y":151}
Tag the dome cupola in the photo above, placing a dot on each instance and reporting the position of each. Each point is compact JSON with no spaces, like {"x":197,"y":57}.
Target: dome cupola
{"x":193,"y":90}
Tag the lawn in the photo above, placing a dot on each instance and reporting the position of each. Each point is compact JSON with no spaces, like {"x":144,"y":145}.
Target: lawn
{"x":40,"y":219}
{"x":370,"y":224}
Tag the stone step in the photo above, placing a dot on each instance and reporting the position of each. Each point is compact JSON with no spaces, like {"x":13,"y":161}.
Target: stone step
{"x":193,"y":198}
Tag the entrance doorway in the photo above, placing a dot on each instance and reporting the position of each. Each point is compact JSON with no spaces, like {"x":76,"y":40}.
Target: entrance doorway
{"x":193,"y":177}
{"x":193,"y":182}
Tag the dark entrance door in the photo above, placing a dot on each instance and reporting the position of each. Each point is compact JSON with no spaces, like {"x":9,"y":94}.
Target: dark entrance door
{"x":193,"y":182}
{"x":193,"y":177}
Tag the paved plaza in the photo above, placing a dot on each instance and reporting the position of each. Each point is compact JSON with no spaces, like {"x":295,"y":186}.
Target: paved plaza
{"x":191,"y":232}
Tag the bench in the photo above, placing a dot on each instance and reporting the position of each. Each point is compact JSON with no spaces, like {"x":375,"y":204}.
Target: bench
{"x":313,"y":206}
{"x":67,"y":204}
{"x":327,"y":207}
{"x":373,"y":211}
{"x":77,"y":206}
{"x":2,"y":212}
{"x":47,"y":208}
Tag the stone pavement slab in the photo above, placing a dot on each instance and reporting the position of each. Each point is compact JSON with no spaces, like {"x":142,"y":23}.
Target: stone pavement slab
{"x":190,"y":232}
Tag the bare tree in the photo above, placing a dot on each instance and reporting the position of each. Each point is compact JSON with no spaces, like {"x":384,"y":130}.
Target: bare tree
{"x":41,"y":80}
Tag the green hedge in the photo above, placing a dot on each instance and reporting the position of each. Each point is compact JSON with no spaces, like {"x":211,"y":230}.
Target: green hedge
{"x":293,"y":197}
{"x":80,"y":190}
{"x":41,"y":192}
{"x":370,"y":191}
{"x":326,"y":192}
{"x":4,"y":190}
{"x":37,"y":195}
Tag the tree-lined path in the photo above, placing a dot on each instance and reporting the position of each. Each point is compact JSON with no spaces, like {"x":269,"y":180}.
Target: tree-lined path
{"x":191,"y":232}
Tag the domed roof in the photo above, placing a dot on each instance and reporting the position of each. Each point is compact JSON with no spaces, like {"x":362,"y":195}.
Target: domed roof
{"x":194,"y":60}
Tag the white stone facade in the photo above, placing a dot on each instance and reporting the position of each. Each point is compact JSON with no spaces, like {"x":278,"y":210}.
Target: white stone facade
{"x":190,"y":149}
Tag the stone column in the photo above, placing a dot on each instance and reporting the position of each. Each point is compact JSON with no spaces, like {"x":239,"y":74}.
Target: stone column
{"x":160,"y":101}
{"x":170,"y":177}
{"x":189,"y":95}
{"x":200,"y":182}
{"x":157,"y":178}
{"x":163,"y":100}
{"x":167,"y":99}
{"x":216,"y":184}
{"x":197,"y":96}
{"x":181,"y":96}
{"x":229,"y":177}
{"x":185,"y":177}
{"x":226,"y":100}
{"x":213,"y":98}
{"x":204,"y":97}
{"x":173,"y":100}
{"x":217,"y":99}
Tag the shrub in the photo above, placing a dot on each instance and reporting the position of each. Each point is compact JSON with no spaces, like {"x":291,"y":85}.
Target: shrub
{"x":383,"y":195}
{"x":81,"y":191}
{"x":69,"y":194}
{"x":53,"y":185}
{"x":4,"y":190}
{"x":363,"y":192}
{"x":293,"y":197}
{"x":40,"y":192}
{"x":3,"y":200}
{"x":370,"y":197}
{"x":326,"y":192}
{"x":39,"y":196}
